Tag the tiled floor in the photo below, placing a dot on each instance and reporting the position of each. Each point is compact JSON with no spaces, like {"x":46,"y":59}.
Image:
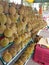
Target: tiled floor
{"x":30,"y":62}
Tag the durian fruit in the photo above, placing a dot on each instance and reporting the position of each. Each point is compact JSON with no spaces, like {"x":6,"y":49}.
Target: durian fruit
{"x":15,"y":47}
{"x":13,"y":51}
{"x":21,"y":18}
{"x":14,"y":28}
{"x":8,"y":32}
{"x":8,"y":20}
{"x":17,"y":63}
{"x":21,"y":10}
{"x":26,"y":41}
{"x":17,"y":16}
{"x":11,"y":39}
{"x":16,"y":35}
{"x":23,"y":58}
{"x":20,"y":26}
{"x":23,"y":37}
{"x":24,"y":25}
{"x":19,"y":33}
{"x":13,"y":18}
{"x":22,"y":44}
{"x":12,"y":10}
{"x":25,"y":55}
{"x":20,"y":62}
{"x":29,"y":49}
{"x":3,"y":19}
{"x":29,"y":28}
{"x":27,"y":34}
{"x":7,"y":56}
{"x":7,"y":25}
{"x":17,"y":40}
{"x":2,"y":28}
{"x":1,"y":9}
{"x":19,"y":47}
{"x":4,"y":42}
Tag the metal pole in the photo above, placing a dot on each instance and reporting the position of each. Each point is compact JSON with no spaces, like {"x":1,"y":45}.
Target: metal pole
{"x":21,"y":2}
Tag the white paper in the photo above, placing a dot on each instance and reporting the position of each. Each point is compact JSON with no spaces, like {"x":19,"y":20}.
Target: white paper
{"x":16,"y":1}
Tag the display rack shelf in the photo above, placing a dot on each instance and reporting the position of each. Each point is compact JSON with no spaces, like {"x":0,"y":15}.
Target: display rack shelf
{"x":29,"y":58}
{"x":4,"y":48}
{"x":17,"y":55}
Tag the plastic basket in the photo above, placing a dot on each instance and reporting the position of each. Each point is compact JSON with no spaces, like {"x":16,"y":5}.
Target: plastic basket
{"x":41,"y":55}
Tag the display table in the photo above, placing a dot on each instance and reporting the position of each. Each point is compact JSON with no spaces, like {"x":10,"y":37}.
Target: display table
{"x":44,"y":32}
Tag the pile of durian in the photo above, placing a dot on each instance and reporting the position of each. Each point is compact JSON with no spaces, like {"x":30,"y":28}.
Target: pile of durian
{"x":11,"y":52}
{"x":11,"y":29}
{"x":26,"y":55}
{"x":18,"y":24}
